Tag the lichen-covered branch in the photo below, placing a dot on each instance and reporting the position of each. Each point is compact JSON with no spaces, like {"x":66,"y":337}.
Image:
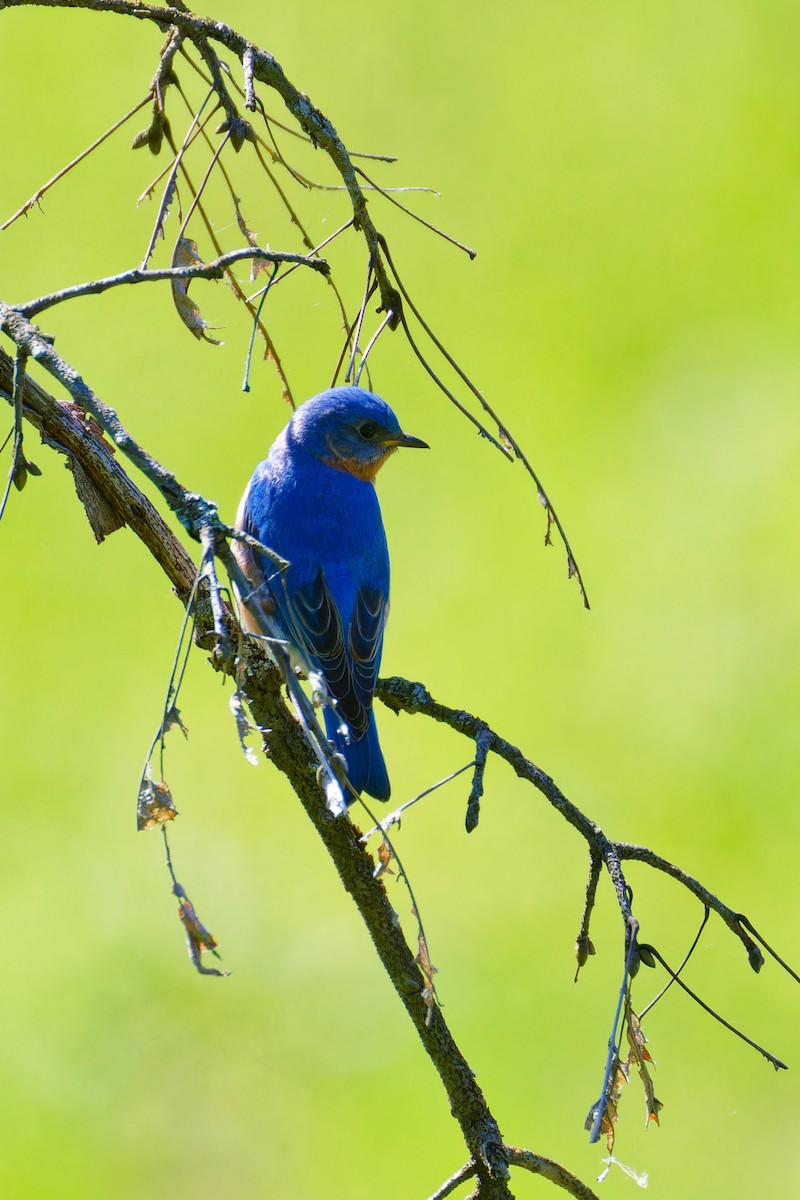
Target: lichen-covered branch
{"x":286,"y":745}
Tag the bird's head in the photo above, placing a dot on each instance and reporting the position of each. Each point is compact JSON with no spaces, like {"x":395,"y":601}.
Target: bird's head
{"x":350,"y":429}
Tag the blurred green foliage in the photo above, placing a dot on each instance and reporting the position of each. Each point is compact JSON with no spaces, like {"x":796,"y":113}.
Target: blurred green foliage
{"x":630,"y":175}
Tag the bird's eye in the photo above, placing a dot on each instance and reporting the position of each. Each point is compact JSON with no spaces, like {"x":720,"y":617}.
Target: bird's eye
{"x":368,"y":430}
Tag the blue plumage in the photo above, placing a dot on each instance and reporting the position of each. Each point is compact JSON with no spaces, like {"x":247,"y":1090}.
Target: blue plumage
{"x":313,"y":501}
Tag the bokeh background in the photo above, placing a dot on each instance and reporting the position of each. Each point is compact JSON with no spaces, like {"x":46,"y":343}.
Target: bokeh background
{"x":630,"y":175}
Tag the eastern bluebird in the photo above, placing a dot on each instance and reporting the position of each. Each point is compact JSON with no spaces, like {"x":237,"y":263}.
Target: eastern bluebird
{"x":313,"y":501}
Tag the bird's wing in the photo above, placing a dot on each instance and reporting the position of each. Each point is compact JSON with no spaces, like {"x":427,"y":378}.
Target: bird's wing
{"x":348,"y":659}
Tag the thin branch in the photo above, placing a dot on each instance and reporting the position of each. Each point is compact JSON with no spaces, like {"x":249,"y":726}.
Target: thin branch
{"x":196,"y":127}
{"x":468,"y":1171}
{"x":743,"y":920}
{"x":210,"y":270}
{"x":551,"y":1171}
{"x":386,"y":193}
{"x":776,"y":1062}
{"x":395,"y":816}
{"x":404,"y":696}
{"x":249,"y":92}
{"x":483,"y":744}
{"x":369,"y":288}
{"x":170,"y":169}
{"x":18,"y":470}
{"x":736,"y":922}
{"x":652,"y":1003}
{"x":387,"y":320}
{"x":583,"y":943}
{"x":202,"y":31}
{"x":270,"y":351}
{"x":313,"y":251}
{"x":196,"y":197}
{"x":598,"y":1114}
{"x":36,"y":197}
{"x":507,"y":442}
{"x":482,"y":430}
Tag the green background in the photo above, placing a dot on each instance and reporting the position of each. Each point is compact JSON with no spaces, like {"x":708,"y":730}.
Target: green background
{"x":630,"y":174}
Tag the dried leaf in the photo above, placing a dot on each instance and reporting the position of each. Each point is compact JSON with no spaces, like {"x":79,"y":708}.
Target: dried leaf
{"x":385,"y":857}
{"x":548,"y":540}
{"x":423,"y":960}
{"x":504,"y":438}
{"x":640,"y":1056}
{"x":186,"y":255}
{"x":155,"y":805}
{"x":257,"y":265}
{"x":610,"y":1103}
{"x":198,"y":938}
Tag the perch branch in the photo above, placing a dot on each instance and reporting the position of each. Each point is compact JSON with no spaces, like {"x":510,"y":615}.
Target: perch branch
{"x":290,"y":751}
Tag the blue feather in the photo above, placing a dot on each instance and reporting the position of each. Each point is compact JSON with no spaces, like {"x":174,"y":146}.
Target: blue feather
{"x":313,"y":501}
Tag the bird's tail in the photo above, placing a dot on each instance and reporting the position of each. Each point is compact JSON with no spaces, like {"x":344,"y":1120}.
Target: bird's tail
{"x":366,"y":769}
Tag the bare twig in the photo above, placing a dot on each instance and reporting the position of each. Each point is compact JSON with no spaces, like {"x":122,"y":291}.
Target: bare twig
{"x":404,"y":696}
{"x":776,"y":1062}
{"x":387,"y":195}
{"x":583,"y":943}
{"x":210,"y":270}
{"x":195,"y":128}
{"x":37,"y":195}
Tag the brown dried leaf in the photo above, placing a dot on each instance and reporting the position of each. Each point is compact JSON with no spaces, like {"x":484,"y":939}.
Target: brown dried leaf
{"x":257,"y":265}
{"x":199,"y":939}
{"x":423,"y":960}
{"x":385,"y":857}
{"x":611,"y":1104}
{"x":186,"y":255}
{"x":155,"y":805}
{"x":640,"y":1056}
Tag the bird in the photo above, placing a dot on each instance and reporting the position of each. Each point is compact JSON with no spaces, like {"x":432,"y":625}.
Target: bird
{"x":313,"y":502}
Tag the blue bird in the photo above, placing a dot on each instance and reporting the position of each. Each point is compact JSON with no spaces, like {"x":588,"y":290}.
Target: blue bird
{"x":313,"y":501}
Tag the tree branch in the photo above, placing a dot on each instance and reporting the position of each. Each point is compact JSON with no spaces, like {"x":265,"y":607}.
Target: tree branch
{"x":286,"y":745}
{"x":290,"y":751}
{"x":263,"y":68}
{"x":211,"y":270}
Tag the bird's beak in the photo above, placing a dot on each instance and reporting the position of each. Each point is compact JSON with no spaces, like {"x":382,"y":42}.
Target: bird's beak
{"x":405,"y":439}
